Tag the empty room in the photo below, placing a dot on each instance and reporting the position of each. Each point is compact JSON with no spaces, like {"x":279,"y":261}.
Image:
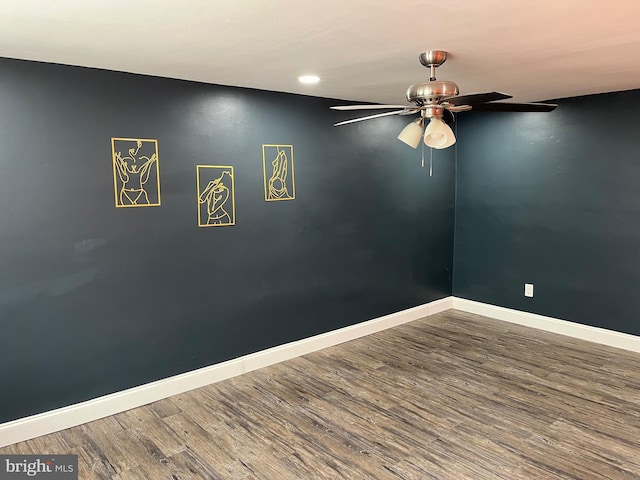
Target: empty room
{"x":319,"y":240}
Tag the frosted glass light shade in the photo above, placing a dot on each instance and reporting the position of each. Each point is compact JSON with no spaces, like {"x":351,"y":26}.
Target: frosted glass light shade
{"x":438,"y":134}
{"x":412,"y":133}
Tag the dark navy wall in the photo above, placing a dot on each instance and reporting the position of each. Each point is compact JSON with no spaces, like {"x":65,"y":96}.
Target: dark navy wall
{"x":554,"y":200}
{"x":95,"y":299}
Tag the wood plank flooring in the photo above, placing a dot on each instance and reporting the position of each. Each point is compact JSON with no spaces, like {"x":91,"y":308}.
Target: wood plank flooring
{"x":453,"y":396}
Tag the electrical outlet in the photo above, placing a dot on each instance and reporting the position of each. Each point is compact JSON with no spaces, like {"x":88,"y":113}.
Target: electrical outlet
{"x":528,"y":289}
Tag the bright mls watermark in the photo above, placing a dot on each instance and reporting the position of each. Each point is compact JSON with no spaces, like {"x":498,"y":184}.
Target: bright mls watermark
{"x":49,"y":467}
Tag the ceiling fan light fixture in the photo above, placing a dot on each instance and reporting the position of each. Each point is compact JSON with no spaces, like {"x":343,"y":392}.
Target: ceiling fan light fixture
{"x":412,"y":133}
{"x":438,"y":134}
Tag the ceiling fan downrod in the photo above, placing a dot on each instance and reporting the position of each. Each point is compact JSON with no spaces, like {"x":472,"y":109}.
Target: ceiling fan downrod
{"x":432,"y":92}
{"x":433,"y":59}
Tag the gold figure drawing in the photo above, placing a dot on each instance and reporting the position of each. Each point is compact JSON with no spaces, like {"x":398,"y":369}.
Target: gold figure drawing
{"x":216,"y":196}
{"x":136,"y":176}
{"x":281,"y":184}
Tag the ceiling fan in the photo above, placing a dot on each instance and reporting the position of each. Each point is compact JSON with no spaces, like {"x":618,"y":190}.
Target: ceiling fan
{"x":438,"y":100}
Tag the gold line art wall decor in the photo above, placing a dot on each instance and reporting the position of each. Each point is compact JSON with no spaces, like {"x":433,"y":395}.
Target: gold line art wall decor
{"x":216,"y":196}
{"x":136,"y":173}
{"x":277,"y":166}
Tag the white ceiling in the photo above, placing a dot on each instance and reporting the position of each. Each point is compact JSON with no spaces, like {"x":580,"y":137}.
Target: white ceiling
{"x":363,"y":49}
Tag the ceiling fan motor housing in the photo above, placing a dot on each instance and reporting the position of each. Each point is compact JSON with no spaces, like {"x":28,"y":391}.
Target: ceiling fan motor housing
{"x":429,"y":93}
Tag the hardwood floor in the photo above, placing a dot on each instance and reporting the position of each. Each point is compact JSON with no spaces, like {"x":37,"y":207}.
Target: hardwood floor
{"x":452,"y":396}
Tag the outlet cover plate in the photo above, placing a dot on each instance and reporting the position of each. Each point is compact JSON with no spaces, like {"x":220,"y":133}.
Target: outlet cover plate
{"x":528,"y":289}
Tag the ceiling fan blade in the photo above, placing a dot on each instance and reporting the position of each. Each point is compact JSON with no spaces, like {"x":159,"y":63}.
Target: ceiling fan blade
{"x":367,"y":107}
{"x":475,"y":98}
{"x":386,"y":114}
{"x":457,"y":108}
{"x":514,"y":107}
{"x":448,"y":117}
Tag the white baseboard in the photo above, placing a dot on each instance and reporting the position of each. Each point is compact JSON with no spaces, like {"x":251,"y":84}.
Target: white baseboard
{"x":550,"y":324}
{"x":67,"y":417}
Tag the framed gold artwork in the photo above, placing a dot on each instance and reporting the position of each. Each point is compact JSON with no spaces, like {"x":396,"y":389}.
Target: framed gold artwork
{"x":279,"y":174}
{"x":136,"y":173}
{"x":216,"y":196}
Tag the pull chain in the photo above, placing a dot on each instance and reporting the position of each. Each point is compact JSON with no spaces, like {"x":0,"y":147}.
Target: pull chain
{"x":422,"y":154}
{"x":431,"y":162}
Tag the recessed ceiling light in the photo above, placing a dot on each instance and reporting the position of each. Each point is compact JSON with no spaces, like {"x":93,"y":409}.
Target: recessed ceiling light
{"x":308,"y":79}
